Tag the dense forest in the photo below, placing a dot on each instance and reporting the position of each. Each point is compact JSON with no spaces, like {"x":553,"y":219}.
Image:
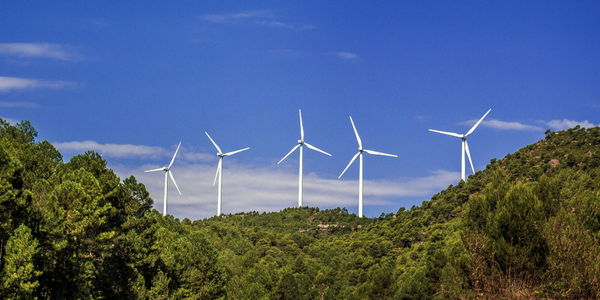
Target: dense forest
{"x":526,"y":227}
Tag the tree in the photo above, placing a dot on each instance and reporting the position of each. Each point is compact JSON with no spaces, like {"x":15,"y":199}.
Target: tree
{"x":20,"y":275}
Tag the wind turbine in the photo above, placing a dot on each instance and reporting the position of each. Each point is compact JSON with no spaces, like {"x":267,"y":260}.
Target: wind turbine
{"x":220,"y":170}
{"x":465,"y":146}
{"x":168,"y":173}
{"x":360,"y":176}
{"x":300,"y":144}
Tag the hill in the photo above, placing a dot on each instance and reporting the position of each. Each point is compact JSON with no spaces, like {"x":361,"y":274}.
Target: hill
{"x":527,"y":226}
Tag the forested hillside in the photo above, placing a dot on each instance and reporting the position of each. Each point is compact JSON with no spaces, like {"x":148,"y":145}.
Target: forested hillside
{"x":526,"y":227}
{"x":74,"y":231}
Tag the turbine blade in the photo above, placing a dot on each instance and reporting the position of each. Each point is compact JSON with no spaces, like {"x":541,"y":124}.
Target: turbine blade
{"x":301,"y":127}
{"x":173,"y":178}
{"x":356,"y":132}
{"x":293,"y":149}
{"x":316,"y":149}
{"x":353,"y":159}
{"x":447,"y":133}
{"x":218,"y":149}
{"x":379,"y":153}
{"x":469,"y":155}
{"x":161,"y":169}
{"x":234,"y":152}
{"x":477,"y":124}
{"x":172,"y":160}
{"x":218,"y":170}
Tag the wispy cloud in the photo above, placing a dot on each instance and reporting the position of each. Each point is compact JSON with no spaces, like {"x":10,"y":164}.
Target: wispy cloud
{"x":272,"y":24}
{"x":133,"y":151}
{"x":502,"y":125}
{"x":113,"y":150}
{"x":56,"y":51}
{"x":18,"y":104}
{"x":14,"y":83}
{"x":266,"y":18}
{"x":554,"y":124}
{"x":347,"y":55}
{"x":566,"y":124}
{"x":11,"y":121}
{"x":193,"y":157}
{"x":249,"y":188}
{"x":224,"y":18}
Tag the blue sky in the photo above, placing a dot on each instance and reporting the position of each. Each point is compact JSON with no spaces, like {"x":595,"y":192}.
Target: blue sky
{"x":133,"y":79}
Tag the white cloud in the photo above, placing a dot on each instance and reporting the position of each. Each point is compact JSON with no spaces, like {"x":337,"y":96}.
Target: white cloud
{"x":11,"y":121}
{"x":258,"y":17}
{"x":56,"y":51}
{"x":566,"y":124}
{"x":197,"y":157}
{"x":248,"y":188}
{"x":272,"y":24}
{"x":554,"y":124}
{"x":14,"y":83}
{"x":18,"y":104}
{"x":133,"y":151}
{"x":223,"y":18}
{"x":276,"y":24}
{"x":346,"y":55}
{"x":113,"y":150}
{"x":497,"y":124}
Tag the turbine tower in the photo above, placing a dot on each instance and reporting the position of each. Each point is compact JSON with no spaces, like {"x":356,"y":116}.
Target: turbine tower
{"x":220,"y":170}
{"x":360,"y":174}
{"x":465,"y":146}
{"x":300,"y":144}
{"x":168,"y":173}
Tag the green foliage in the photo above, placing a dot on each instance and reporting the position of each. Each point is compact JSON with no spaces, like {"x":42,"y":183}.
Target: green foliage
{"x":19,"y":274}
{"x":541,"y":234}
{"x":486,"y":237}
{"x":572,"y":236}
{"x":75,"y":231}
{"x":527,"y":226}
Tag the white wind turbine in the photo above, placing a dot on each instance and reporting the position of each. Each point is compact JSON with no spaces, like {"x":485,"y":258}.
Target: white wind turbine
{"x":220,"y":170}
{"x":465,"y":146}
{"x":360,"y":176}
{"x":300,"y":144}
{"x":168,"y":173}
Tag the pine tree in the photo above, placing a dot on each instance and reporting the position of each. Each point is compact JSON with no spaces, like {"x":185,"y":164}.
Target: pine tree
{"x":19,"y":274}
